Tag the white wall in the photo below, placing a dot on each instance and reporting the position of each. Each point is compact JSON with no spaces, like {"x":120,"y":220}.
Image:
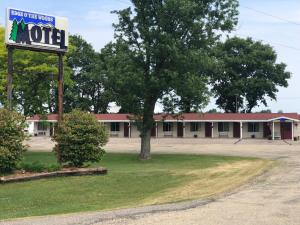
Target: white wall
{"x":216,"y":133}
{"x":276,"y":129}
{"x":40,"y":132}
{"x":115,"y":133}
{"x":190,"y":134}
{"x":134,"y":131}
{"x":161,"y":133}
{"x":296,"y":130}
{"x":259,"y":134}
{"x":30,"y":128}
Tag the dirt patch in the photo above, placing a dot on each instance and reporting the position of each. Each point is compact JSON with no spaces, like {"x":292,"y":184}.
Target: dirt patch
{"x":212,"y":181}
{"x":27,"y":176}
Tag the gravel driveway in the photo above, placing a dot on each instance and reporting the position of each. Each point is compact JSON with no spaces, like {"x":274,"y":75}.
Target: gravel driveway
{"x":273,"y":198}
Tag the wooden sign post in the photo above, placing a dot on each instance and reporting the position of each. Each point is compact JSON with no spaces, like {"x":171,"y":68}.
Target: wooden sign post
{"x":9,"y":76}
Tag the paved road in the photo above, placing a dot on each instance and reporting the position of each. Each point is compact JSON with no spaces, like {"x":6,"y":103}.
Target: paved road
{"x":272,"y":199}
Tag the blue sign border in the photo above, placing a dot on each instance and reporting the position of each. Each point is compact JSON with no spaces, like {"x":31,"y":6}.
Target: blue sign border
{"x":31,"y":18}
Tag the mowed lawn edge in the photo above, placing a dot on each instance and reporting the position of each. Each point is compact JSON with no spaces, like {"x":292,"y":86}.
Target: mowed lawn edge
{"x":165,"y":178}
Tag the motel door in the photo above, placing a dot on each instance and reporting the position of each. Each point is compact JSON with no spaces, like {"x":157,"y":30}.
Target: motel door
{"x":236,"y":130}
{"x":179,"y":129}
{"x":126,"y":129}
{"x":208,"y":129}
{"x":267,"y":130}
{"x":153,"y":130}
{"x":286,"y":130}
{"x":51,"y":130}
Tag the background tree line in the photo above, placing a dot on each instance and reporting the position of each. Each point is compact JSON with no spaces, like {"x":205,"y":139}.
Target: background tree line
{"x":246,"y":75}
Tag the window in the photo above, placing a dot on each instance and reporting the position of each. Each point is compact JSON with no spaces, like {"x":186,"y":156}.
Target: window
{"x":114,"y":127}
{"x":42,"y":126}
{"x":223,"y":127}
{"x":253,"y":127}
{"x":194,"y":127}
{"x":167,"y":127}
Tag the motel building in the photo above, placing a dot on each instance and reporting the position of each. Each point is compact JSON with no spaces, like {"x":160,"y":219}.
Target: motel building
{"x":270,"y":126}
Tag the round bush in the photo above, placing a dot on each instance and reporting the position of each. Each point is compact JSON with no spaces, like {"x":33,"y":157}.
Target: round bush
{"x":80,"y":138}
{"x":12,"y":126}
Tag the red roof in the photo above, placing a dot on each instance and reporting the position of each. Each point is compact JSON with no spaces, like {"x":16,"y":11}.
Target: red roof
{"x":102,"y":117}
{"x":228,"y":116}
{"x":191,"y":117}
{"x":53,"y":117}
{"x":113,"y":117}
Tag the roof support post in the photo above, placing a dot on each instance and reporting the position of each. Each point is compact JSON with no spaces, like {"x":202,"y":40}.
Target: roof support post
{"x":292,"y":130}
{"x":129,"y":130}
{"x":241,"y":131}
{"x":273,"y":131}
{"x":53,"y":128}
{"x":183,"y":124}
{"x":212,"y":129}
{"x":156,"y":128}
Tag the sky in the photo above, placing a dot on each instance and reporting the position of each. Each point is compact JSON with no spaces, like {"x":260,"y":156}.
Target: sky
{"x":275,"y":22}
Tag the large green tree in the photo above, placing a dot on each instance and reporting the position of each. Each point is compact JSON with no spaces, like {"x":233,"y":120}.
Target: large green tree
{"x":247,"y":75}
{"x":191,"y":95}
{"x":160,"y":47}
{"x":35,"y":82}
{"x":86,"y":91}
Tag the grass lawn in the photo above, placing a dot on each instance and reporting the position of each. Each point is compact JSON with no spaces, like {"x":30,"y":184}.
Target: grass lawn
{"x":129,"y":182}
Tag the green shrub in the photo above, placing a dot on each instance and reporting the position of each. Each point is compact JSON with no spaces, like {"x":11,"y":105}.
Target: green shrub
{"x":80,"y":138}
{"x":38,"y":167}
{"x":12,"y":135}
{"x":35,"y":166}
{"x":53,"y":167}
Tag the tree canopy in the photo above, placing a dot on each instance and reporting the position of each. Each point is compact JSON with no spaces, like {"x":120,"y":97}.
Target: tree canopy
{"x":35,"y":79}
{"x":161,"y":48}
{"x":247,"y":74}
{"x":87,"y":88}
{"x":35,"y":82}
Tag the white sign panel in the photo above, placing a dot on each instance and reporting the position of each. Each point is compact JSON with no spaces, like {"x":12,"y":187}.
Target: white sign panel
{"x":35,"y":30}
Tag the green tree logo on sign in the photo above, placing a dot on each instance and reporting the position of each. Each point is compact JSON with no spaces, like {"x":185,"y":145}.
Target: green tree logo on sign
{"x":14,"y":29}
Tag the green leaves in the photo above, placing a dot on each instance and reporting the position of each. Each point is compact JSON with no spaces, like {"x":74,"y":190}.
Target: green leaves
{"x":80,"y":138}
{"x":35,"y":81}
{"x":247,"y":74}
{"x":161,"y":45}
{"x":12,"y":126}
{"x":87,"y":90}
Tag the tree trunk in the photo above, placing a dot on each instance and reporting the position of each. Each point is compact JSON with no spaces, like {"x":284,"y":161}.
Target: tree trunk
{"x":145,"y":146}
{"x":146,"y":129}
